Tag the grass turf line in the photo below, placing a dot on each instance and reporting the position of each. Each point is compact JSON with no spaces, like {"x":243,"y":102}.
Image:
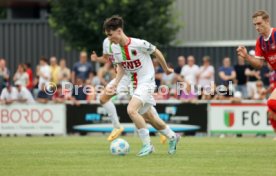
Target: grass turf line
{"x":83,"y":156}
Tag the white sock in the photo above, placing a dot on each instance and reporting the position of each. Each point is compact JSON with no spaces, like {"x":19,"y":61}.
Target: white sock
{"x":168,"y":133}
{"x":111,"y":110}
{"x":144,"y":135}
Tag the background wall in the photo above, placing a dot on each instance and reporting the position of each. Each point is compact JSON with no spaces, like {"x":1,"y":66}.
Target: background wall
{"x":219,"y":22}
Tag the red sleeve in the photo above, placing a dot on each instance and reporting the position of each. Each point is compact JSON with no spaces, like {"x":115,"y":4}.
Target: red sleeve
{"x":258,"y":50}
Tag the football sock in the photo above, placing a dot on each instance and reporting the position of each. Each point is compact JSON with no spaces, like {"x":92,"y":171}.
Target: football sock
{"x":112,"y":113}
{"x":144,"y":135}
{"x":168,"y":133}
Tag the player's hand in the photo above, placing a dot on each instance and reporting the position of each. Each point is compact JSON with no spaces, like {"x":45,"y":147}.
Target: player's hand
{"x":169,"y":71}
{"x":94,"y":56}
{"x":242,"y":51}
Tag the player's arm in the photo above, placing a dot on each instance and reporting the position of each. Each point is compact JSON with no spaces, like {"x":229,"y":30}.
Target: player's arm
{"x":119,"y":75}
{"x":255,"y":62}
{"x":162,"y":61}
{"x":100,"y":75}
{"x":102,"y":59}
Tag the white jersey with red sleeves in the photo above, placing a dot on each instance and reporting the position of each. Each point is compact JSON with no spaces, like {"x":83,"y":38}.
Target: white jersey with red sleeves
{"x":266,"y":48}
{"x":136,"y":61}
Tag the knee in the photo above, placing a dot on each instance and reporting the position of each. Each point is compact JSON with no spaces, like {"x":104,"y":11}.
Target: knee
{"x":146,"y":117}
{"x":131,"y":111}
{"x":147,"y":120}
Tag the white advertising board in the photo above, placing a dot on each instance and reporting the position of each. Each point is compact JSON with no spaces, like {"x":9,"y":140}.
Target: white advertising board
{"x":238,"y":118}
{"x":32,"y":119}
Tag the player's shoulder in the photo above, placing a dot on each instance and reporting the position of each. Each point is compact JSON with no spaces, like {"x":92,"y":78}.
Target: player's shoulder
{"x":259,"y":38}
{"x":106,"y":42}
{"x":138,"y":42}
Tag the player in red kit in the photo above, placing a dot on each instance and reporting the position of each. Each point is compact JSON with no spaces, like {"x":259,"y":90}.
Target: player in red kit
{"x":265,"y":51}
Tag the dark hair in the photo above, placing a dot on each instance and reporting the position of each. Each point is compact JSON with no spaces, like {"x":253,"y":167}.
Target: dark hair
{"x":42,"y":58}
{"x":94,"y":72}
{"x":59,"y":86}
{"x":28,"y":65}
{"x":113,"y":23}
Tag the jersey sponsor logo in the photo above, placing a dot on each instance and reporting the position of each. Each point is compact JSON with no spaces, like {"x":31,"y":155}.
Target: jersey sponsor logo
{"x":132,"y":65}
{"x":133,"y":52}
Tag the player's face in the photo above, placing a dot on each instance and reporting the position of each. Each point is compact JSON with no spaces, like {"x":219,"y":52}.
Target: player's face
{"x":114,"y":36}
{"x":260,"y":24}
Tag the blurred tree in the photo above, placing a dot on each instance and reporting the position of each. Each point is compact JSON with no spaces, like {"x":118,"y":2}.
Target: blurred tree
{"x":3,"y":13}
{"x":79,"y":22}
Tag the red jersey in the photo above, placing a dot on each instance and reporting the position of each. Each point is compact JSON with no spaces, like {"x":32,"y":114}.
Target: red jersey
{"x":266,"y":48}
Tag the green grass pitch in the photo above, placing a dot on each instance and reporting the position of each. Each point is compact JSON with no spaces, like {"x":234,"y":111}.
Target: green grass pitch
{"x":90,"y":156}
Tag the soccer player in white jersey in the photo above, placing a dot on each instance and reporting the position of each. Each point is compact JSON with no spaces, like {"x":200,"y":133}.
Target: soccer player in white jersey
{"x":133,"y":58}
{"x":123,"y":87}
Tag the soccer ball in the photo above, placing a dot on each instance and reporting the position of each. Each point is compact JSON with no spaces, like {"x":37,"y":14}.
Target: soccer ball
{"x":119,"y":147}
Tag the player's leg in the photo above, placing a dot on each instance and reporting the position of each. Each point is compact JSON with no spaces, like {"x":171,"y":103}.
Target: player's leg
{"x":271,"y":103}
{"x":133,"y":107}
{"x":153,"y":118}
{"x":163,"y":139}
{"x":109,"y":106}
